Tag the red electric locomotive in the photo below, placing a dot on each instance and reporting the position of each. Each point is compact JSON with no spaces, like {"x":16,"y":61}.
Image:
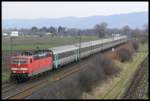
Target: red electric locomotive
{"x":29,"y":64}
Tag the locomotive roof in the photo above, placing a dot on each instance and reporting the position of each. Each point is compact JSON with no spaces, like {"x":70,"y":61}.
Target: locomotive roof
{"x":20,"y":56}
{"x":35,"y":52}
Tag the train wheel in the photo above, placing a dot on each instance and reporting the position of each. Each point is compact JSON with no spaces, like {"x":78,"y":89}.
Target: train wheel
{"x":22,"y":78}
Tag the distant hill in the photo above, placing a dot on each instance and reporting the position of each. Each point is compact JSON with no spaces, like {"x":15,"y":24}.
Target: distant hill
{"x":134,"y":20}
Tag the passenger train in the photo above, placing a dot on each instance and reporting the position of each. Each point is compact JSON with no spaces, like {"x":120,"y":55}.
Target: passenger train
{"x":30,"y":63}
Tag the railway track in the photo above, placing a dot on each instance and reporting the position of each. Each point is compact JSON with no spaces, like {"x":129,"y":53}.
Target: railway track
{"x":5,"y":85}
{"x":136,"y":82}
{"x":7,"y":88}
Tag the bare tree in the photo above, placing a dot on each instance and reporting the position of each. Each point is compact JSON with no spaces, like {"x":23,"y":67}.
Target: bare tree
{"x":136,"y":33}
{"x":101,"y":29}
{"x":126,"y":30}
{"x":52,"y":29}
{"x":34,"y":29}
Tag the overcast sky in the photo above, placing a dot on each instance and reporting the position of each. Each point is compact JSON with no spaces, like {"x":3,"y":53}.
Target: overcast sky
{"x":32,"y":10}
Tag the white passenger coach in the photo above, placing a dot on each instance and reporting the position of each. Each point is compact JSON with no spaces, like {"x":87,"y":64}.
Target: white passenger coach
{"x":69,"y":53}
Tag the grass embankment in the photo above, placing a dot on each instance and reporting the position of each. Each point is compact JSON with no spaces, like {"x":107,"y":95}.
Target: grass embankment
{"x":5,"y":76}
{"x":118,"y":85}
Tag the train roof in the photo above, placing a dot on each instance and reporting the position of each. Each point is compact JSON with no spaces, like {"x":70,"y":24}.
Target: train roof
{"x":66,"y":48}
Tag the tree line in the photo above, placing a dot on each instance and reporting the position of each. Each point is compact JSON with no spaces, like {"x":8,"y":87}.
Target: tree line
{"x":101,"y":30}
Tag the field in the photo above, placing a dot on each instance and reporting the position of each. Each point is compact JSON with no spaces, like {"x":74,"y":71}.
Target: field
{"x":29,"y":43}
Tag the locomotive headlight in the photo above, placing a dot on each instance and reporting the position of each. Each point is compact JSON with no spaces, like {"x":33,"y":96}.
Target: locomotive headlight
{"x":14,"y":71}
{"x":14,"y":68}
